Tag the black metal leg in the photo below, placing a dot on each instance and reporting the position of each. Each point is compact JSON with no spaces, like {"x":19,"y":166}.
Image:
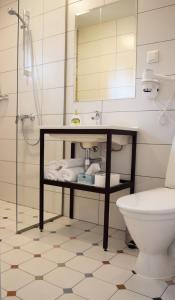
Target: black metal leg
{"x":131,"y":244}
{"x":133,"y":163}
{"x":41,"y":212}
{"x":107,"y":191}
{"x":71,"y":211}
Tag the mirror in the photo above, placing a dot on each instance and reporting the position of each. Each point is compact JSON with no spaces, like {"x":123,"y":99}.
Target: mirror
{"x":106,"y":52}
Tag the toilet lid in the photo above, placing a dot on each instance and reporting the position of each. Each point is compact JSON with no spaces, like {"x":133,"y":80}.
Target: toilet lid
{"x":161,"y":200}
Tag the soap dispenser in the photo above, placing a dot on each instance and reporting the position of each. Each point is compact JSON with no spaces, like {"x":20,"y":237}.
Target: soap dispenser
{"x":75,"y":120}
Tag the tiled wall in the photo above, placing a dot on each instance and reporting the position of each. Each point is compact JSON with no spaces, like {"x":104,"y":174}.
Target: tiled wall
{"x":156,"y":30}
{"x":48,"y":31}
{"x":106,"y":58}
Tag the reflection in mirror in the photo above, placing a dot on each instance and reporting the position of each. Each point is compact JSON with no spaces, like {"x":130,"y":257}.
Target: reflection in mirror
{"x":106,"y":52}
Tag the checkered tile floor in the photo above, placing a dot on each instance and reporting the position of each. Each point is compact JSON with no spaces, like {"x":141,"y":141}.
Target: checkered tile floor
{"x":67,"y":262}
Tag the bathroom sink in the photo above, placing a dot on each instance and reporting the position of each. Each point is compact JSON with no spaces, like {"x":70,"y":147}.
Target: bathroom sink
{"x":93,"y":139}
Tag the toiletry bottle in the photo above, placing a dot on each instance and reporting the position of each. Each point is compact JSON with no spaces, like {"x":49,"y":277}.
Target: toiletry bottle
{"x":75,"y":120}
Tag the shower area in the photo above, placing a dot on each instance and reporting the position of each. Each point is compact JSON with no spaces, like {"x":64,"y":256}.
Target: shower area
{"x":32,"y":80}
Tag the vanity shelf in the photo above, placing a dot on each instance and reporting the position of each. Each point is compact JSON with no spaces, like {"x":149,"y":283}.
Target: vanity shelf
{"x":96,"y":131}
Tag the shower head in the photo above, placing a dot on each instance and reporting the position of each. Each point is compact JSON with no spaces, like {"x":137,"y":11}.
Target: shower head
{"x":13,"y":12}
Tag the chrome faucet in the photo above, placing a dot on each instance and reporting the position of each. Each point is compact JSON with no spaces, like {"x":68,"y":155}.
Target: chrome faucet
{"x":23,"y":117}
{"x":97,"y":117}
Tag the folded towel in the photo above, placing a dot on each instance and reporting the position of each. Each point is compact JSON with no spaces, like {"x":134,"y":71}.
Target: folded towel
{"x":51,"y":174}
{"x":70,"y":174}
{"x":93,"y":169}
{"x":71,"y":163}
{"x":53,"y":165}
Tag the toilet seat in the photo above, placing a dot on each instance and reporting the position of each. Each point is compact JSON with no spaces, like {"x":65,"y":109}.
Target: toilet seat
{"x":157,"y":201}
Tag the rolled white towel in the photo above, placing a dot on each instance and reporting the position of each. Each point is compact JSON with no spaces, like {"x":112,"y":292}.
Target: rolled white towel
{"x":71,"y":163}
{"x":70,"y":174}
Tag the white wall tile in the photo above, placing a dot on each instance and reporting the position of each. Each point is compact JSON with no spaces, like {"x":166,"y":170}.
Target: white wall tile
{"x":53,"y":4}
{"x":54,"y":48}
{"x":150,"y":129}
{"x":53,"y":75}
{"x":166,"y":64}
{"x":115,"y":219}
{"x":54,"y":22}
{"x":150,"y":31}
{"x":53,"y":101}
{"x":153,"y":4}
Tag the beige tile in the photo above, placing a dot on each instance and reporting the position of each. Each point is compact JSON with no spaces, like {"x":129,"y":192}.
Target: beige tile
{"x":83,"y":225}
{"x":5,"y":247}
{"x":69,"y":231}
{"x":36,"y":247}
{"x":54,"y":239}
{"x":112,"y":274}
{"x":15,"y":279}
{"x":18,"y":240}
{"x":92,"y":288}
{"x":4,"y":266}
{"x":71,"y":297}
{"x":128,"y":295}
{"x":39,"y":290}
{"x":148,"y":287}
{"x":16,"y":257}
{"x":83,"y":264}
{"x":76,"y":246}
{"x":90,"y":237}
{"x":64,"y":277}
{"x":124,"y":261}
{"x":169,"y":293}
{"x":97,"y":252}
{"x":38,"y":266}
{"x":58,"y":255}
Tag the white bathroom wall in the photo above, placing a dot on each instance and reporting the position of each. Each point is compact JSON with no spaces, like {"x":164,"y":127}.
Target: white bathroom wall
{"x":156,"y":30}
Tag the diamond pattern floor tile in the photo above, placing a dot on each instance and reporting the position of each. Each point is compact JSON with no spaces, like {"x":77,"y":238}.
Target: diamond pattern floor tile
{"x":14,"y":279}
{"x":84,"y":264}
{"x":128,"y":295}
{"x":169,"y":293}
{"x":124,"y":261}
{"x":113,"y":274}
{"x":76,"y":246}
{"x":58,"y":255}
{"x":15,"y":257}
{"x":94,"y":289}
{"x":64,"y":277}
{"x":71,"y":297}
{"x":38,"y":266}
{"x":147,"y":287}
{"x":66,"y":262}
{"x":37,"y":290}
{"x":36,"y":247}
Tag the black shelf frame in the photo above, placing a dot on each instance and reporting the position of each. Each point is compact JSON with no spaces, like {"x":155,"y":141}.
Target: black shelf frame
{"x":107,"y":190}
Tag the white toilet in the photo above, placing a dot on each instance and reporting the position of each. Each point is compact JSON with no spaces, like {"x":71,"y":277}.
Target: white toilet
{"x":150,"y":218}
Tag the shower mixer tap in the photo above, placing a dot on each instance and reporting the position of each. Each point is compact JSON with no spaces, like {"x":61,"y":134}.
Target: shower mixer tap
{"x":23,"y":117}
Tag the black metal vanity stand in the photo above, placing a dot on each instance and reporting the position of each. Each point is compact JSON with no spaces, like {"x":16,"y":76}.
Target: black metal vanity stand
{"x":107,"y":190}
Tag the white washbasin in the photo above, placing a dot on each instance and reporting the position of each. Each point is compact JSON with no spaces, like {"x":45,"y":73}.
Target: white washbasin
{"x":91,"y":138}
